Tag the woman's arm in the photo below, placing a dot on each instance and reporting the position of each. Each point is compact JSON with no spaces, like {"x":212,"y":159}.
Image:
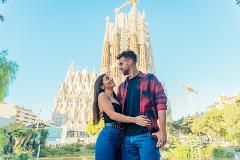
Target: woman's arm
{"x":107,"y":107}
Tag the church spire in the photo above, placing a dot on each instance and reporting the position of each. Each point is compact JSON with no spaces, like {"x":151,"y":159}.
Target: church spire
{"x":127,"y":31}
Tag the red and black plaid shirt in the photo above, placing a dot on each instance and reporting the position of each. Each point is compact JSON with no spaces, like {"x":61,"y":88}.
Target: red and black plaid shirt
{"x":152,"y":97}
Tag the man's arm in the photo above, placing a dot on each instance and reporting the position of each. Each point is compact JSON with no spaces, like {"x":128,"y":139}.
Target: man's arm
{"x":160,"y":100}
{"x":162,"y":133}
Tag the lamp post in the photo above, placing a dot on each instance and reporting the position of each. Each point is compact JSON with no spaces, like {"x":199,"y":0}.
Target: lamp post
{"x":38,"y":136}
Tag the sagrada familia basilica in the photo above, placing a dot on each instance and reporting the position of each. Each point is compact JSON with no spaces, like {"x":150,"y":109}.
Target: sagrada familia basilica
{"x":129,"y":31}
{"x":73,"y":105}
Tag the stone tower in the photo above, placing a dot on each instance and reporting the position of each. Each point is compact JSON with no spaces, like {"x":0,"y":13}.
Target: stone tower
{"x":129,"y":31}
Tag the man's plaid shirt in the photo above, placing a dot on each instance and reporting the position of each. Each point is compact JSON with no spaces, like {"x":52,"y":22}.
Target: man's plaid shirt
{"x":152,"y":97}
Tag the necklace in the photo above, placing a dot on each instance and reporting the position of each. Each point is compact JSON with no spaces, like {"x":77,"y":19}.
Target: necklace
{"x":111,"y":98}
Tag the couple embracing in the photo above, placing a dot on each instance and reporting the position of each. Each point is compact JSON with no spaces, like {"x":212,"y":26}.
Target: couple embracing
{"x":135,"y":118}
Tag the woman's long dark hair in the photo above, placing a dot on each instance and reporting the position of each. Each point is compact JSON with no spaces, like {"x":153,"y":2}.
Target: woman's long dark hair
{"x":97,"y":91}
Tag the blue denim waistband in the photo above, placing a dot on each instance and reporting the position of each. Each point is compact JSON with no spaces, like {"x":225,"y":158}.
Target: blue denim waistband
{"x":114,"y":125}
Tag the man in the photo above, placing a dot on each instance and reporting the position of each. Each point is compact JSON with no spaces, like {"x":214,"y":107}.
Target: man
{"x":141,"y":94}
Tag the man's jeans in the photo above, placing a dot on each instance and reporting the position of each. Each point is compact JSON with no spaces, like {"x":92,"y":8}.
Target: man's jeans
{"x":140,"y":147}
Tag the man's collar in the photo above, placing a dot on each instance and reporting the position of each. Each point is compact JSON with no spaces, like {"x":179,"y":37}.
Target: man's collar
{"x":140,"y":75}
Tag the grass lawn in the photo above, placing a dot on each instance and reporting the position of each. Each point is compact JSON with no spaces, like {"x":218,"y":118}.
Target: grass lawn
{"x":86,"y":157}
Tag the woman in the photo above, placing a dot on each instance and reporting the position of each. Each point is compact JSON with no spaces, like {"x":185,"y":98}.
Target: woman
{"x":106,"y":105}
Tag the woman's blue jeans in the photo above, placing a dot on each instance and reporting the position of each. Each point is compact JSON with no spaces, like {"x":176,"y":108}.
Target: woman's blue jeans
{"x":108,"y":144}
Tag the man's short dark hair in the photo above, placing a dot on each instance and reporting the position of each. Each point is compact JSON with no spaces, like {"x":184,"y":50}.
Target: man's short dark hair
{"x":128,"y":54}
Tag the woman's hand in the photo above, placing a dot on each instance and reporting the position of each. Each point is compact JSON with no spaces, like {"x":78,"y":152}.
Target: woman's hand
{"x":142,"y":120}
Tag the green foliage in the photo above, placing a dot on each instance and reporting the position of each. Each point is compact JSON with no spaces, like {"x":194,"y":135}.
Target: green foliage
{"x":201,"y":135}
{"x":22,"y":142}
{"x":221,"y":153}
{"x":68,"y":150}
{"x":186,"y":124}
{"x":94,"y":129}
{"x":228,"y":154}
{"x":207,"y":150}
{"x":189,"y":146}
{"x":3,"y":141}
{"x":218,"y":152}
{"x":1,"y":16}
{"x":223,"y":123}
{"x":210,"y":123}
{"x":8,"y":70}
{"x":43,"y":136}
{"x":237,"y":149}
{"x":23,"y":139}
{"x":23,"y":156}
{"x":169,"y":118}
{"x":8,"y":157}
{"x":3,"y":1}
{"x":238,"y":2}
{"x":180,"y":151}
{"x":195,"y":145}
{"x":232,"y":122}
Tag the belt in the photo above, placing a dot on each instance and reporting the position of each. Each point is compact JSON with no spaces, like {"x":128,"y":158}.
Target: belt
{"x":114,"y":125}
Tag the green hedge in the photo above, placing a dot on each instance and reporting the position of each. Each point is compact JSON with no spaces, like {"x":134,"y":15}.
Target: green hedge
{"x":222,"y":153}
{"x":68,"y":150}
{"x":237,"y":149}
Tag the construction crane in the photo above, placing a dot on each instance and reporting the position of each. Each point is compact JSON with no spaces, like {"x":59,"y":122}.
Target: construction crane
{"x":190,"y":92}
{"x":187,"y":88}
{"x":118,"y":9}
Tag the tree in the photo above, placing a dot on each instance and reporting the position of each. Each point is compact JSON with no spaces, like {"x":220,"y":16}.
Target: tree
{"x":211,"y":123}
{"x":3,"y":140}
{"x":21,"y":137}
{"x":94,"y":129}
{"x":22,"y":141}
{"x":222,"y":123}
{"x":169,"y":114}
{"x":1,"y":16}
{"x":187,"y":124}
{"x":238,"y":2}
{"x":231,"y":114}
{"x":8,"y":70}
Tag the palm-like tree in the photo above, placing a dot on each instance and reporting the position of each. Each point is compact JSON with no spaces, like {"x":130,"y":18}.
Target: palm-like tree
{"x":8,"y":70}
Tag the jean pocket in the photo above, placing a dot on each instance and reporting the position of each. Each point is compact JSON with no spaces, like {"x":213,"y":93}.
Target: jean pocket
{"x":153,"y":137}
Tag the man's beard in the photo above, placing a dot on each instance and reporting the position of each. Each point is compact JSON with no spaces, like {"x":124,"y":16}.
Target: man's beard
{"x":126,"y":72}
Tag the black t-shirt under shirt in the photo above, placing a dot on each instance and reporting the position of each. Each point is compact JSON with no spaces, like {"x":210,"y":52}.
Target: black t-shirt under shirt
{"x":132,"y":107}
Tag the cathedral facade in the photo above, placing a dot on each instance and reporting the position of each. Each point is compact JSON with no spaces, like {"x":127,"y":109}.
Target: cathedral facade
{"x":73,"y":105}
{"x":129,"y":31}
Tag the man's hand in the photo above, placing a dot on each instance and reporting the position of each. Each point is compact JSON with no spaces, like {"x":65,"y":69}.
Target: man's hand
{"x":161,"y":137}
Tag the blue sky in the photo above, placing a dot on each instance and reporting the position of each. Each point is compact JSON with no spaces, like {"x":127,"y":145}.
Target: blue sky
{"x":194,"y":42}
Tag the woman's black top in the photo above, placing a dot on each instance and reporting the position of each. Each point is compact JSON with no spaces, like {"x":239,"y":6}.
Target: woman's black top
{"x":118,"y":108}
